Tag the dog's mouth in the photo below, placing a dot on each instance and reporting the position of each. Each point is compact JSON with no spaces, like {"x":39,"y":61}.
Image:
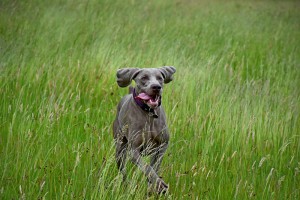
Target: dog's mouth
{"x":152,"y":101}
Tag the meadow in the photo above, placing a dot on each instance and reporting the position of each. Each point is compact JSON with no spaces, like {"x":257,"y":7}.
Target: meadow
{"x":232,"y":108}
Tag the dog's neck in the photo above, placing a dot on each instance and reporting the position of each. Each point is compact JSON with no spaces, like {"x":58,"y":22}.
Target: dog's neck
{"x":143,"y":106}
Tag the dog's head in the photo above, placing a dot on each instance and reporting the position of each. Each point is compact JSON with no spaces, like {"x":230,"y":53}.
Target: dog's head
{"x":149,"y":81}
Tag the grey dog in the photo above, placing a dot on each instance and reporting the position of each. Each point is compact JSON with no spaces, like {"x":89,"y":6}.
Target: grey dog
{"x":140,"y":126}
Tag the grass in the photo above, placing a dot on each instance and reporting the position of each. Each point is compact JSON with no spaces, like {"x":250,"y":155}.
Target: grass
{"x":233,"y":107}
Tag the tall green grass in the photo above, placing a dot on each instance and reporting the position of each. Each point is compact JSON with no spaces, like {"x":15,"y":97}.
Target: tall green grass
{"x":233,"y":107}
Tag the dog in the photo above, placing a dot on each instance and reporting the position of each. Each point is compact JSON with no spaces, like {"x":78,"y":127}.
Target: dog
{"x":140,"y":126}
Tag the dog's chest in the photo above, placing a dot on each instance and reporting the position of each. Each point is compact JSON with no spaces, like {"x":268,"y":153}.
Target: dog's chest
{"x":147,"y":130}
{"x":155,"y":132}
{"x":138,"y":125}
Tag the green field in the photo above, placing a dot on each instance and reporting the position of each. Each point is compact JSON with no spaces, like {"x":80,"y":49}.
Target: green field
{"x":233,"y":107}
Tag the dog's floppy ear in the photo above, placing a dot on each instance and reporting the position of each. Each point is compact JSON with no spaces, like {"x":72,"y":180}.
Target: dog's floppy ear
{"x":125,"y":76}
{"x":167,"y":73}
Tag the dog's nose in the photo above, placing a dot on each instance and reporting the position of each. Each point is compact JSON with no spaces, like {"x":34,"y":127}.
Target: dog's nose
{"x":156,"y":87}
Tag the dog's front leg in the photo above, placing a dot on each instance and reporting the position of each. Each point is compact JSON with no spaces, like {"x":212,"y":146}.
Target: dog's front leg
{"x":121,"y":151}
{"x":148,"y":171}
{"x":156,"y":158}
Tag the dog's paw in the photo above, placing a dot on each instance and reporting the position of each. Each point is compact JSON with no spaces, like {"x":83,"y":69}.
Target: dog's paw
{"x":161,"y":187}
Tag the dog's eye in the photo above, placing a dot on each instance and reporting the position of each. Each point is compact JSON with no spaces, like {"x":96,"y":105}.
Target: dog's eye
{"x":144,"y":78}
{"x":159,"y":78}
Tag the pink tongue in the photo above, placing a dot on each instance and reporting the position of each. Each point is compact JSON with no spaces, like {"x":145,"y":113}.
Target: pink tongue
{"x":144,"y":96}
{"x":149,"y":101}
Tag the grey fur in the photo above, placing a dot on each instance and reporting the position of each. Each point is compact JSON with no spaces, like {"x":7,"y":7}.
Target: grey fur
{"x":135,"y":131}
